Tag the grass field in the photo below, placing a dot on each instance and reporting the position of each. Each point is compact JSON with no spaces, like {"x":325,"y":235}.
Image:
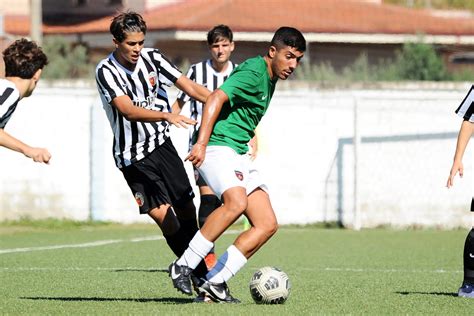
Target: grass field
{"x":111,"y":269}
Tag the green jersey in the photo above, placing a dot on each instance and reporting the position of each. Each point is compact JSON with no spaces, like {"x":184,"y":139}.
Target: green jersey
{"x":250,"y":90}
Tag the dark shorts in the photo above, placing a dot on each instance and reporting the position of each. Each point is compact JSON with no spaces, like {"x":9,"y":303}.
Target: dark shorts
{"x":200,"y":182}
{"x":159,"y":178}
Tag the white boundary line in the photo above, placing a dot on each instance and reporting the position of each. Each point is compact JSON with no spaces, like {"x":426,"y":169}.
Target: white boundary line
{"x":391,"y":270}
{"x":124,"y":269}
{"x":91,"y":244}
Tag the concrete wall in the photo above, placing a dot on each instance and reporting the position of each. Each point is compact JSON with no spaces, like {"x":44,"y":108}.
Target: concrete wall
{"x":408,"y":138}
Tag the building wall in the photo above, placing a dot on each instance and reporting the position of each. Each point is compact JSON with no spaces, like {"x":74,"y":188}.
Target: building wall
{"x":306,"y":156}
{"x":193,"y":51}
{"x":14,"y":7}
{"x":76,"y":11}
{"x":341,"y":55}
{"x":338,"y":55}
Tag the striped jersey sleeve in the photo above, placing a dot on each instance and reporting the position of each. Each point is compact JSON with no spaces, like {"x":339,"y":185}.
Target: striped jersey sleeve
{"x":466,"y":108}
{"x":168,"y":72}
{"x":9,"y":97}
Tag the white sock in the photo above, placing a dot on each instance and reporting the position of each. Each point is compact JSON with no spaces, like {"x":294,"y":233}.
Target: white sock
{"x":227,"y":266}
{"x":198,"y":248}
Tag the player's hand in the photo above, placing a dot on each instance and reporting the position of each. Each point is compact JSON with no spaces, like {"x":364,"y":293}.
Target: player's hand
{"x":180,"y":120}
{"x":38,"y":154}
{"x":457,"y":167}
{"x":196,"y":155}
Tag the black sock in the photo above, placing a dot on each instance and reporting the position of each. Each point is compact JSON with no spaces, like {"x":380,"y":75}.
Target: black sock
{"x":469,"y":258}
{"x":177,"y":242}
{"x":188,"y":228}
{"x":209,"y":202}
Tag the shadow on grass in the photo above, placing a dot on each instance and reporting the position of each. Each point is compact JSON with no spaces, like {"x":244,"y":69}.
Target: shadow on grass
{"x":141,"y":270}
{"x":169,"y":300}
{"x":429,"y":293}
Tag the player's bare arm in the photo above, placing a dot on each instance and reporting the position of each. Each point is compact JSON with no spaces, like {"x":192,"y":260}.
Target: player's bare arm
{"x":35,"y":153}
{"x":177,"y":106}
{"x":465,"y":133}
{"x":138,"y":114}
{"x":211,"y":111}
{"x":253,"y":146}
{"x":193,"y":89}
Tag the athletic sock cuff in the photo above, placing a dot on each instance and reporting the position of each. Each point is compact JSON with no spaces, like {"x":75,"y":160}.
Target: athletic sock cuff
{"x":239,"y":260}
{"x":200,"y":245}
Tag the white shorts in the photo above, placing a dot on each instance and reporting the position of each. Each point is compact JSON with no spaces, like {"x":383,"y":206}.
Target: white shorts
{"x":223,"y":169}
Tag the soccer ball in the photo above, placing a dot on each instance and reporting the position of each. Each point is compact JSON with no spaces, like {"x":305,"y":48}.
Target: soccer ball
{"x":269,"y":285}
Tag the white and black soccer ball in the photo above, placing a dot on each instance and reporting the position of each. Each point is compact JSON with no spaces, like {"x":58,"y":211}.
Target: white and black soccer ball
{"x":270,"y":285}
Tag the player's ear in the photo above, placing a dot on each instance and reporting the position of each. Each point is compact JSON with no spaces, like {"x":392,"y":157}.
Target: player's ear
{"x":37,"y":74}
{"x":116,"y":43}
{"x":272,"y":51}
{"x":232,"y":46}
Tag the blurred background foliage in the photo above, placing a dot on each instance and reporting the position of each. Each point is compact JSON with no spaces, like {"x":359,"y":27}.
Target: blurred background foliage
{"x":435,"y":4}
{"x":415,"y":61}
{"x":66,"y":61}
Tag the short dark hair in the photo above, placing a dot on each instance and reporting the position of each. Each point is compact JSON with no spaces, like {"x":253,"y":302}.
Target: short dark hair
{"x":127,"y":22}
{"x":218,"y":33}
{"x":23,"y":58}
{"x":289,"y":36}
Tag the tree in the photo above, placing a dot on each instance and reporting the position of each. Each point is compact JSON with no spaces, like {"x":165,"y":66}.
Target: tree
{"x":66,"y":61}
{"x":419,"y":61}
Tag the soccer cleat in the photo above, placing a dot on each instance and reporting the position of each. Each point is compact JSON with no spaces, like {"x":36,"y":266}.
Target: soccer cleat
{"x":210,"y":260}
{"x":197,"y":282}
{"x":218,"y":292}
{"x":181,"y":277}
{"x":203,"y":298}
{"x":466,"y":290}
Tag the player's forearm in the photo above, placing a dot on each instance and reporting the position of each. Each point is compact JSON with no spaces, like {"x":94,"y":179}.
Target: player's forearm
{"x":211,"y":111}
{"x":192,"y":89}
{"x":145,"y":115}
{"x":201,"y":93}
{"x":177,"y":106}
{"x":465,"y":133}
{"x":10,"y":142}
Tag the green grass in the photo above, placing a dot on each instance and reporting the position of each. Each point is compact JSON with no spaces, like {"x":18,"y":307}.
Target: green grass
{"x":333,"y":271}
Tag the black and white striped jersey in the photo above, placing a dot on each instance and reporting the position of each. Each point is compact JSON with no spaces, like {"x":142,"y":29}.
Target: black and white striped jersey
{"x":9,"y":97}
{"x":205,"y":75}
{"x":466,"y":109}
{"x":146,"y":88}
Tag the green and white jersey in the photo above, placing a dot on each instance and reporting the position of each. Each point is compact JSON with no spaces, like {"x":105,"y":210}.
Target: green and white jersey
{"x":250,"y":90}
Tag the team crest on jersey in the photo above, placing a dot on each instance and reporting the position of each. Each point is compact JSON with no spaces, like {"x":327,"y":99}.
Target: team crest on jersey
{"x":152,"y":78}
{"x":139,"y":198}
{"x":239,"y":175}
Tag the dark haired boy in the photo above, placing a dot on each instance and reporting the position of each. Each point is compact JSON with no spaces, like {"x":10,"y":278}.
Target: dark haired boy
{"x":230,"y":116}
{"x":131,"y":83}
{"x":210,"y":73}
{"x":24,"y":62}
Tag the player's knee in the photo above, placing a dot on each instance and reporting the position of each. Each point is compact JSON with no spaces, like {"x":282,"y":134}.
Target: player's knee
{"x":235,"y":201}
{"x":238,"y":207}
{"x":268,"y":227}
{"x":271,"y":228}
